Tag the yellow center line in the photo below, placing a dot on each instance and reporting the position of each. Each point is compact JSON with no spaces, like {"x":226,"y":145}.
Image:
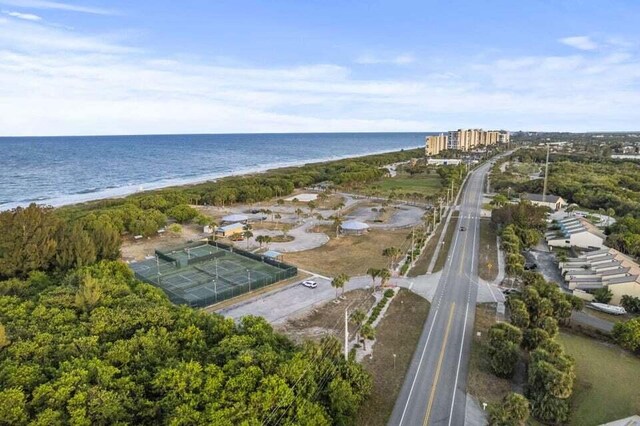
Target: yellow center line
{"x":437,"y":376}
{"x":464,"y":250}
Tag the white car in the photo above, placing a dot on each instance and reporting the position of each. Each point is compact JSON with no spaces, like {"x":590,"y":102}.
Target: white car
{"x":310,"y":284}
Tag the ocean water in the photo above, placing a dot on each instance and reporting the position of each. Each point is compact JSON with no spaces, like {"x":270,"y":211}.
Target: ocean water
{"x":65,"y":170}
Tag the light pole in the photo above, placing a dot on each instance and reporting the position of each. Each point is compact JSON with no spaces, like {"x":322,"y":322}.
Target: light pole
{"x":394,"y":361}
{"x":249,"y":278}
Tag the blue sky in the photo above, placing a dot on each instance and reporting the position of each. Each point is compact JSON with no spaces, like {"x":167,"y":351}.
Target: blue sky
{"x":122,"y":67}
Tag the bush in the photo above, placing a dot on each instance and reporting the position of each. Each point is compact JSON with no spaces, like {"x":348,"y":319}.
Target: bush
{"x":388,"y":293}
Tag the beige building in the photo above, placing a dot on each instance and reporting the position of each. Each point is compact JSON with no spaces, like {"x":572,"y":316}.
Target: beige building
{"x":436,"y":144}
{"x":602,"y":268}
{"x":464,"y":140}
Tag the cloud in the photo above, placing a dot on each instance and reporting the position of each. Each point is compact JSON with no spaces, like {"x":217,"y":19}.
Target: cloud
{"x":59,"y":82}
{"x":370,"y":58}
{"x":25,"y":16}
{"x":580,"y":42}
{"x":44,"y":4}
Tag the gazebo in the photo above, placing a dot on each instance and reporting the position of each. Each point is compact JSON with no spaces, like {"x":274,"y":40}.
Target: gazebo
{"x":354,"y":227}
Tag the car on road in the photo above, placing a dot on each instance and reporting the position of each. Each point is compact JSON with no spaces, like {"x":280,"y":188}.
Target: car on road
{"x":462,"y":228}
{"x":310,"y":284}
{"x":530,"y":266}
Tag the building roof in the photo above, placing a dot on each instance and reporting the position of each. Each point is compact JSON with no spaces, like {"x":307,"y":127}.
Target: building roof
{"x":538,"y":198}
{"x":230,"y":227}
{"x":235,"y":218}
{"x":354,"y":225}
{"x":272,"y":254}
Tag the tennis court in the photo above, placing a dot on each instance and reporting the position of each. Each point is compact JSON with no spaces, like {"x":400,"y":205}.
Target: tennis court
{"x":204,"y":273}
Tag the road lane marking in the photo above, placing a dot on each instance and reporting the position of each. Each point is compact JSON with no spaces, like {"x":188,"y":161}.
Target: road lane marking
{"x":435,"y":315}
{"x":437,"y":375}
{"x":464,"y":330}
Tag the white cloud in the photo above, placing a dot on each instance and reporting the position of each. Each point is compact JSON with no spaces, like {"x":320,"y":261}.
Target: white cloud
{"x":580,"y":42}
{"x":25,"y":16}
{"x":370,"y":58}
{"x":57,"y":82}
{"x":44,"y":4}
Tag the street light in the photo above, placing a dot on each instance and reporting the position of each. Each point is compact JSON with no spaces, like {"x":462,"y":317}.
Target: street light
{"x":394,"y":361}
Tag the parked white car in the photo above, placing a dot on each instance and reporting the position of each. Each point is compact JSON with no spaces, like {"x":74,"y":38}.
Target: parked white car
{"x":310,"y":284}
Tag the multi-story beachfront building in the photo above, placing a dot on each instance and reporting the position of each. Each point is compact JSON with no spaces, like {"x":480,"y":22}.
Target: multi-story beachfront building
{"x":464,"y":140}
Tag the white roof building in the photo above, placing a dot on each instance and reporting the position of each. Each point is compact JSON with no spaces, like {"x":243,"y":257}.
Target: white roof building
{"x":234,"y":218}
{"x":575,"y":232}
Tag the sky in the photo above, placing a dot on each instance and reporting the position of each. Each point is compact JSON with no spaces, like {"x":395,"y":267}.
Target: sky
{"x":237,"y":66}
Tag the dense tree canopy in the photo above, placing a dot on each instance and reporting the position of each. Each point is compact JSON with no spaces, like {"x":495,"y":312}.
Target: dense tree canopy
{"x":98,"y":347}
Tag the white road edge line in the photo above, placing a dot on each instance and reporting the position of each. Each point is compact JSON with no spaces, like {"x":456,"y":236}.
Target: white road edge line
{"x":464,"y":328}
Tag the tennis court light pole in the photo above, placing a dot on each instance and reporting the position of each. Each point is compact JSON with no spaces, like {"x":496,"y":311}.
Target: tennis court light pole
{"x":249,"y":278}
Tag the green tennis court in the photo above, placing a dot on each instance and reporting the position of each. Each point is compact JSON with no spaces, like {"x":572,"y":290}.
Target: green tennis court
{"x":200,"y":274}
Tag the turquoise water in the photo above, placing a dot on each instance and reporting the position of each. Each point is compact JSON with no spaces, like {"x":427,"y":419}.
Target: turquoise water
{"x":65,"y":170}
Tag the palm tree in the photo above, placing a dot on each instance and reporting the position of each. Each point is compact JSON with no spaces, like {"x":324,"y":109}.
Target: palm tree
{"x":299,"y":212}
{"x":345,"y":279}
{"x":337,"y":223}
{"x":392,"y":253}
{"x":358,"y":317}
{"x":312,"y":205}
{"x":285,"y":229}
{"x":339,"y":206}
{"x":373,"y":273}
{"x":277,"y":217}
{"x":368,"y":333}
{"x":247,"y":234}
{"x":261,"y":239}
{"x":385,"y":276}
{"x":337,"y":283}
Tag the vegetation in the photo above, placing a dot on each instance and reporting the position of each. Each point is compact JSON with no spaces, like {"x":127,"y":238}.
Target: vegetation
{"x":604,"y":389}
{"x":513,"y":411}
{"x":627,"y":334}
{"x":95,"y":346}
{"x":601,"y":185}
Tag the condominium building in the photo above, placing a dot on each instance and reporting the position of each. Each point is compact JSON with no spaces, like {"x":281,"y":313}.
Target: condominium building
{"x":464,"y":140}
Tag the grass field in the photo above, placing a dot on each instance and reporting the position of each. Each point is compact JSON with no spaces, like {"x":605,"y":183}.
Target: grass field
{"x":606,"y":387}
{"x":411,"y":311}
{"x":351,"y":254}
{"x":403,"y":184}
{"x":488,"y":259}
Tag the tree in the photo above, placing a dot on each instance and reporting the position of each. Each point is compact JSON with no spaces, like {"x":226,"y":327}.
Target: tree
{"x":338,"y":282}
{"x":503,"y":348}
{"x":368,"y":333}
{"x":627,"y":334}
{"x":27,"y":240}
{"x":631,"y":304}
{"x":4,"y":339}
{"x":519,"y":313}
{"x":261,"y":239}
{"x":337,"y":223}
{"x":285,"y":229}
{"x":298,"y":212}
{"x":373,"y":273}
{"x":75,"y":247}
{"x":385,"y":276}
{"x":358,"y":317}
{"x":312,"y":205}
{"x":182,"y":213}
{"x":513,"y":411}
{"x":247,"y":234}
{"x":603,"y":295}
{"x":392,"y":253}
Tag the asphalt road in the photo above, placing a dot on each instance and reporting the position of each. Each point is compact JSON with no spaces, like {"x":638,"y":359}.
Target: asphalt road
{"x":434,"y":391}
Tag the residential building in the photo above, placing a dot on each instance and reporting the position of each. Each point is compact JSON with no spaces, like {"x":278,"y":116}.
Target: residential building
{"x":575,"y":232}
{"x":606,"y":267}
{"x":436,"y":144}
{"x":444,"y":161}
{"x":464,"y":140}
{"x":551,"y":201}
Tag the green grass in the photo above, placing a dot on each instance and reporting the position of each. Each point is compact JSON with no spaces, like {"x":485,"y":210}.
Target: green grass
{"x":423,"y":184}
{"x":488,"y":261}
{"x":448,"y":239}
{"x":606,"y":387}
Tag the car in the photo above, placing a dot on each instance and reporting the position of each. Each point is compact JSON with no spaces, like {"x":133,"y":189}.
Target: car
{"x":462,"y":228}
{"x":310,"y":284}
{"x":530,"y":266}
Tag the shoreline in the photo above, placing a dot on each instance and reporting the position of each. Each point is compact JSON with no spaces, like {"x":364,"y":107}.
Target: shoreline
{"x":124,"y":191}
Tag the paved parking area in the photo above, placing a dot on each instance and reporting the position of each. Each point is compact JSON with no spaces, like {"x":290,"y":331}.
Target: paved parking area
{"x":547,"y":265}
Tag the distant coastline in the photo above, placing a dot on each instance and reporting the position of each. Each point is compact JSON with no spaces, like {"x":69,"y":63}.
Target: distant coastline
{"x":86,"y":196}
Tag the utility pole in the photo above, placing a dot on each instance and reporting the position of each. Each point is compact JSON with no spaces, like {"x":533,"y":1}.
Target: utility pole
{"x":413,"y":231}
{"x":346,"y":335}
{"x":546,"y":175}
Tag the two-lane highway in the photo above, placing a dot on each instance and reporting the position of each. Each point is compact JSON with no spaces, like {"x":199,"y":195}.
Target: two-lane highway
{"x":434,"y":391}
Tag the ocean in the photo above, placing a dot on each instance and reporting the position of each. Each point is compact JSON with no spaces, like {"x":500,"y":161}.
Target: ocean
{"x":65,"y":170}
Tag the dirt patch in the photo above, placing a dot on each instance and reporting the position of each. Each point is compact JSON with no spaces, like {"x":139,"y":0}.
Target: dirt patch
{"x":488,"y":254}
{"x":351,"y":254}
{"x":406,"y":310}
{"x":481,"y":382}
{"x":137,"y":250}
{"x":328,"y":318}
